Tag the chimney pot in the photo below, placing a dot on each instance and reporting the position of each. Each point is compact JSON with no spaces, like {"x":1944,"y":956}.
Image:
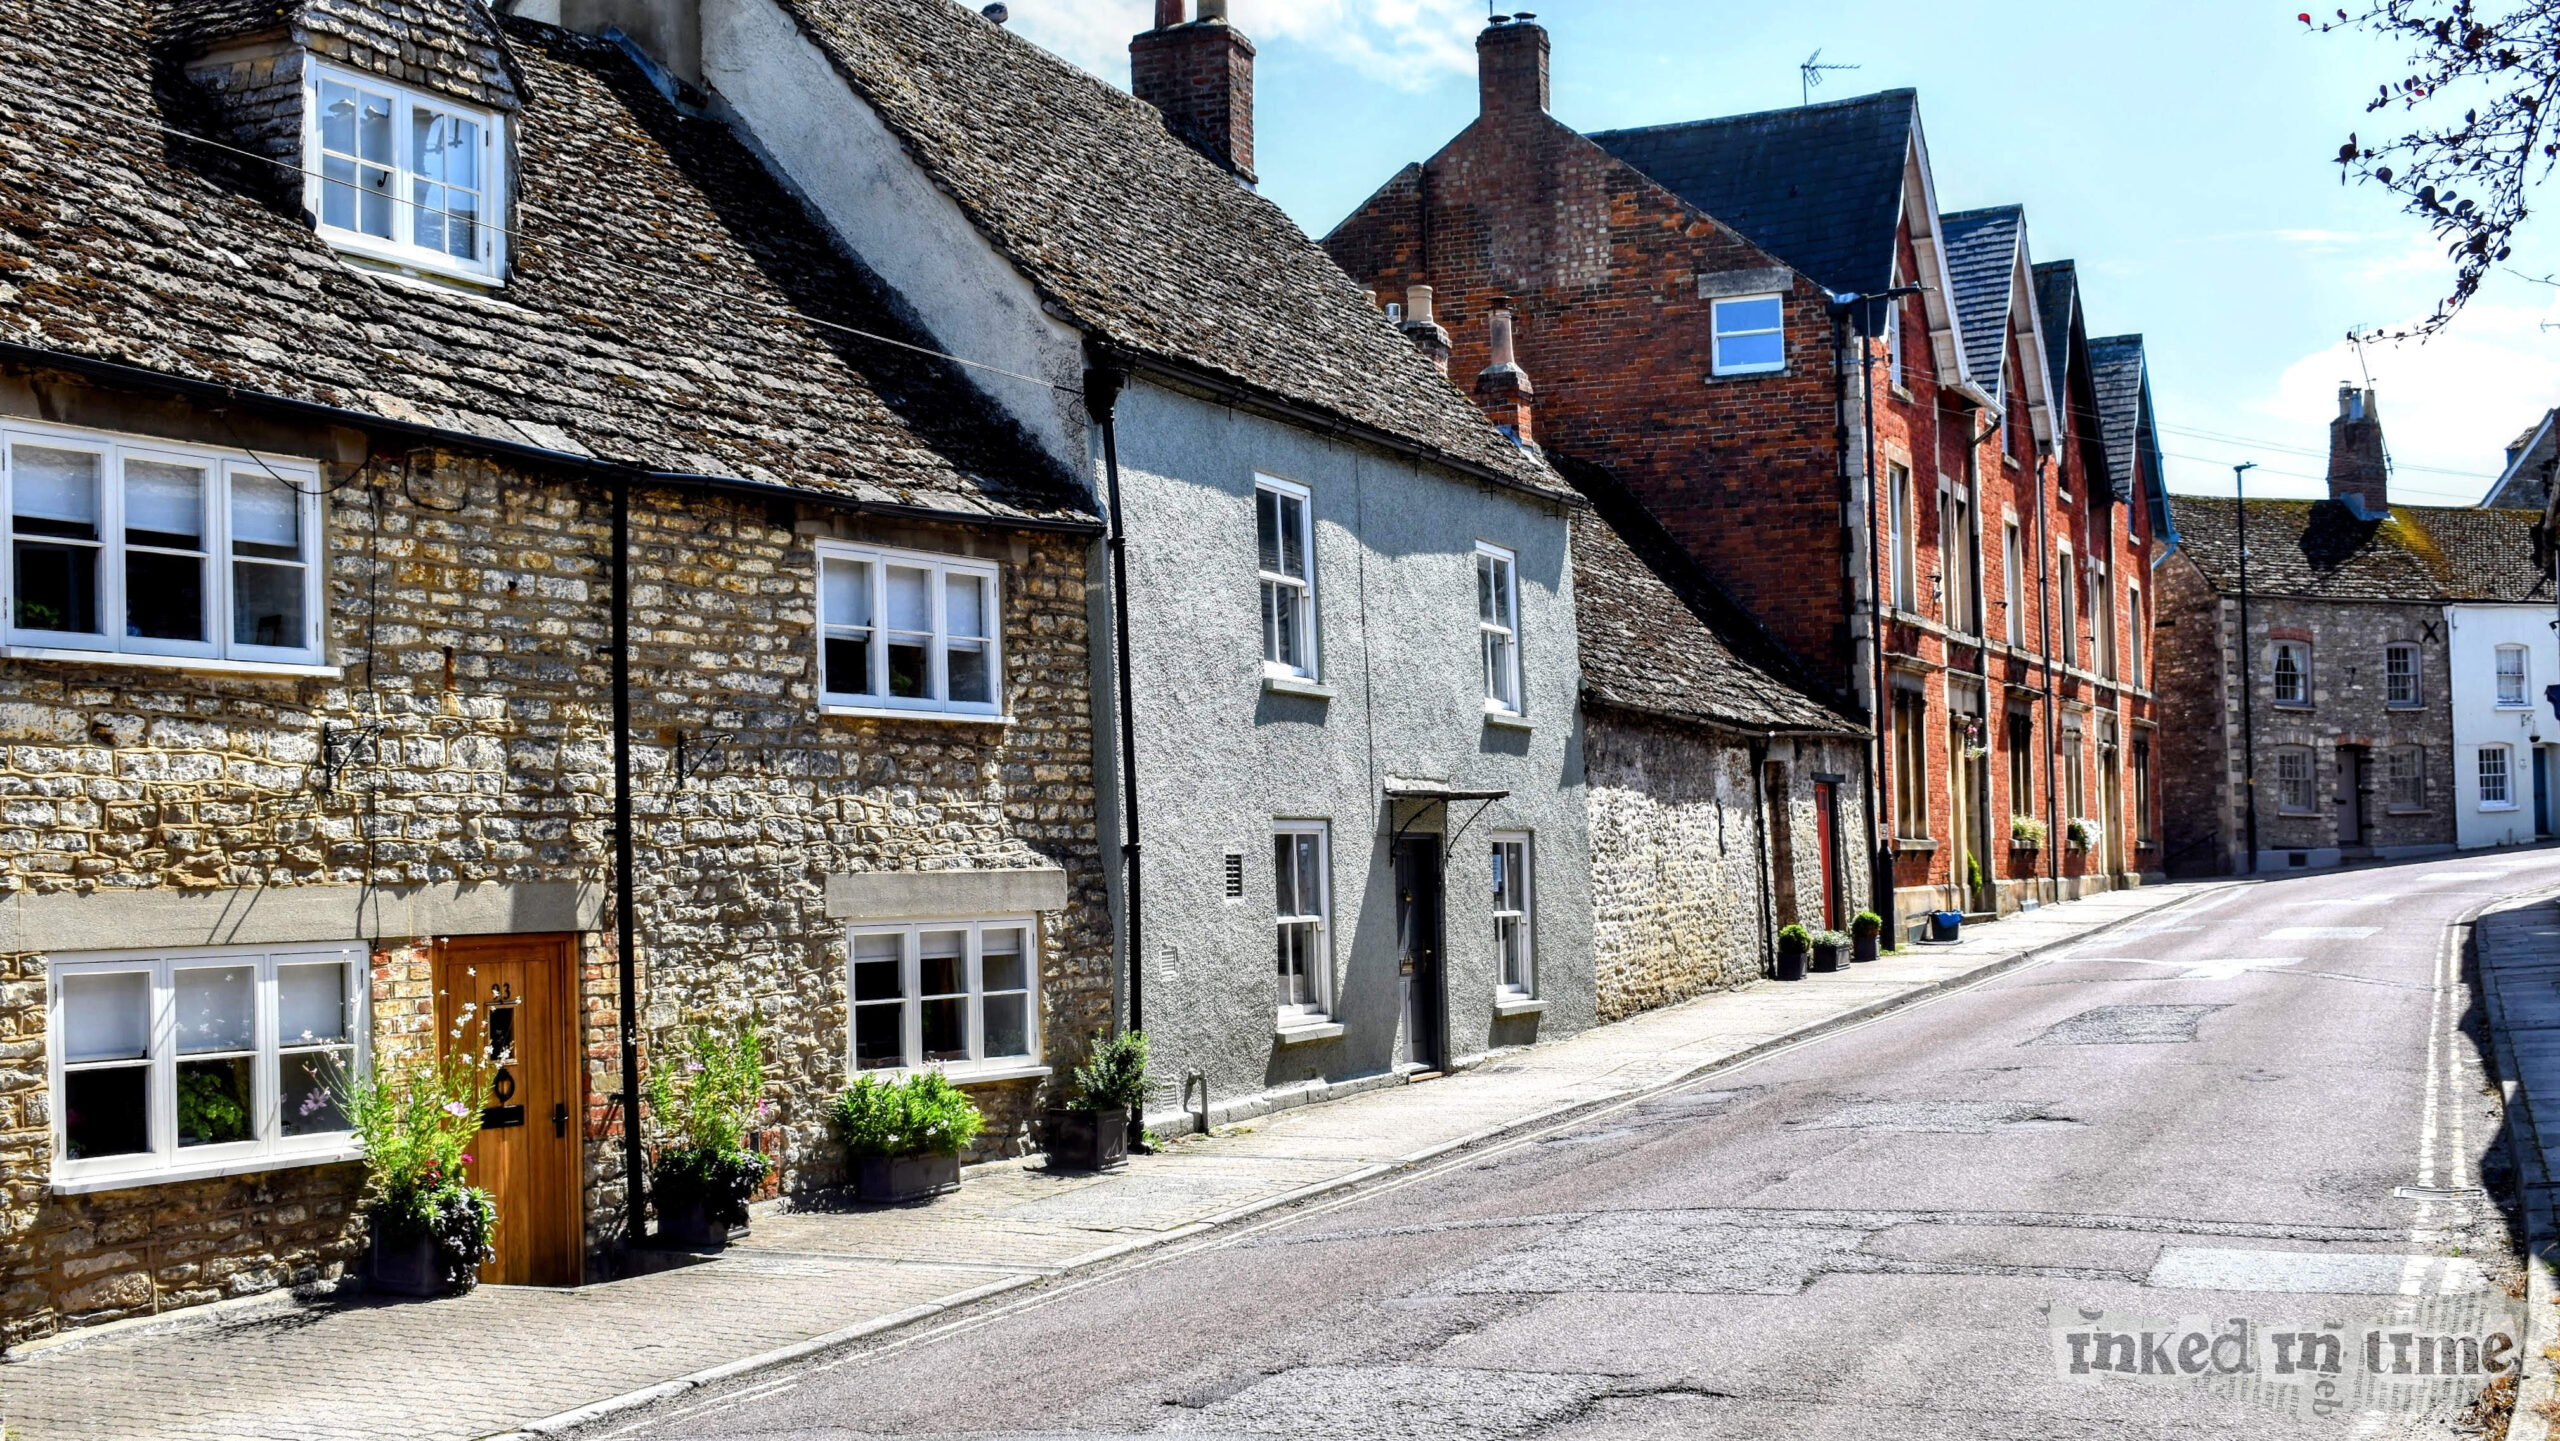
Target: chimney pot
{"x":1214,"y":10}
{"x":1417,"y":304}
{"x":1422,"y":330}
{"x":1168,"y":14}
{"x":1503,"y":390}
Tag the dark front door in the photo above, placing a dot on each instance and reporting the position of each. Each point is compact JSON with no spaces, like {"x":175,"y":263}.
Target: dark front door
{"x":1417,"y":869}
{"x":2541,"y":791}
{"x":1826,"y":824}
{"x":2350,"y":797}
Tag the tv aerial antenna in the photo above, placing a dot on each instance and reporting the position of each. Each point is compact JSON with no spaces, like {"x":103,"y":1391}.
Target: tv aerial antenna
{"x":1812,"y":71}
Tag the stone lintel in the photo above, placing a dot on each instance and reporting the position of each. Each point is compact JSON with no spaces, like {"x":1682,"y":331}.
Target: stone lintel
{"x":125,"y":920}
{"x":944,"y":895}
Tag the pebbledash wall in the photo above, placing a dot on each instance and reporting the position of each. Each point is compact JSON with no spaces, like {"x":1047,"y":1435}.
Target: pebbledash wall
{"x":1676,"y":836}
{"x":452,"y":776}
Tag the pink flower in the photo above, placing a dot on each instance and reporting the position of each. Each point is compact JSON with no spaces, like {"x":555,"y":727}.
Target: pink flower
{"x":466,"y":1158}
{"x":456,"y":1109}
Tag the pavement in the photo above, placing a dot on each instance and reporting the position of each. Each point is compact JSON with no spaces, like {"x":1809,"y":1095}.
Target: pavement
{"x":2517,"y":944}
{"x":808,"y":1285}
{"x":2270,"y":1102}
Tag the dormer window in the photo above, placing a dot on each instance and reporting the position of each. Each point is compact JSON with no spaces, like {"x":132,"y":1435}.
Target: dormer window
{"x":406,"y":178}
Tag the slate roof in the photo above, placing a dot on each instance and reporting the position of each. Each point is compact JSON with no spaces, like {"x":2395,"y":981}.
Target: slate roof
{"x":2529,"y":458}
{"x":1819,"y":186}
{"x":2058,"y":307}
{"x":1137,"y":237}
{"x":1982,"y":260}
{"x":2121,"y":376}
{"x":1659,"y":637}
{"x":658,"y":312}
{"x":2318,"y":550}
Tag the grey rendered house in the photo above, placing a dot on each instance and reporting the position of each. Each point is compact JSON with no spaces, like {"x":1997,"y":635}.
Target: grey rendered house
{"x":1352,"y":801}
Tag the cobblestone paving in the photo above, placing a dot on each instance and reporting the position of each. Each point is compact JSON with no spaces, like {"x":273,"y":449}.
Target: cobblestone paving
{"x":503,"y":1357}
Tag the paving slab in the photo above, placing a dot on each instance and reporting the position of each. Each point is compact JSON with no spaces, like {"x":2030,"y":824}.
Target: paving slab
{"x":522,"y":1361}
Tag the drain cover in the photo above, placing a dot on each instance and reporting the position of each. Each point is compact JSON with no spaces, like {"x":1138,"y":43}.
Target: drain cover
{"x":2128,"y":1026}
{"x":2440,"y":1193}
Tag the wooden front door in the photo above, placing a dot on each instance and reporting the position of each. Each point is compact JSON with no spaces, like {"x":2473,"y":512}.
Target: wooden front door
{"x":524,"y":1023}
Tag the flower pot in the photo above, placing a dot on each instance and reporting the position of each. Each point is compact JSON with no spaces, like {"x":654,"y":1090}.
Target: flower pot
{"x":690,"y":1226}
{"x":1790,"y":961}
{"x":409,"y":1266}
{"x":1862,"y":948}
{"x":890,"y":1180}
{"x":1945,"y":925}
{"x":1826,"y":958}
{"x":1088,"y":1140}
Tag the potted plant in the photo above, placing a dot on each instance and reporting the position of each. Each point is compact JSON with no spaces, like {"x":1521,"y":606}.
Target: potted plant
{"x":704,"y":1092}
{"x":906,"y":1136}
{"x":1111,"y":1095}
{"x":427,"y":1227}
{"x":2084,"y":833}
{"x":1793,"y":942}
{"x":1866,"y":928}
{"x":1827,"y":946}
{"x":2026,"y":833}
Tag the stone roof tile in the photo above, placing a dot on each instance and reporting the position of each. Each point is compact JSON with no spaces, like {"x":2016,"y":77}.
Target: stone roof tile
{"x":2319,"y":550}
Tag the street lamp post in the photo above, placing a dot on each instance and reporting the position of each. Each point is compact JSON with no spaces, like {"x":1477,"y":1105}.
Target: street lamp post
{"x":2248,"y":677}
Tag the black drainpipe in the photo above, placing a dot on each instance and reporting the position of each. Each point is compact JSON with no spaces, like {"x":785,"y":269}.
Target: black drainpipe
{"x":625,"y":913}
{"x":1102,"y":387}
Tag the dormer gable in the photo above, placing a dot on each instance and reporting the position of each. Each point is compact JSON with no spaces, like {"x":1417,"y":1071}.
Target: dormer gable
{"x":388,"y":125}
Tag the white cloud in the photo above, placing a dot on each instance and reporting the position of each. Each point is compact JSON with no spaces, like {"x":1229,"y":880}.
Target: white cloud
{"x":2448,"y":404}
{"x":1404,"y":42}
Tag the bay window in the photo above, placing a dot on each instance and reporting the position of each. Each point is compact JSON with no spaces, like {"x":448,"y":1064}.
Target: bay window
{"x":117,"y":544}
{"x":956,"y":994}
{"x":908,"y":632}
{"x":402,"y":176}
{"x":214,"y":1062}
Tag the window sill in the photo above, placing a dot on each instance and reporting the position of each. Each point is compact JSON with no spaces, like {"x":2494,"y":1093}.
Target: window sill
{"x":364,"y":252}
{"x":864,"y":712}
{"x":1910,"y":846}
{"x":1509,"y":721}
{"x":1296,"y":685}
{"x":1719,"y":377}
{"x":1505,"y":1008}
{"x":2509,"y":808}
{"x":203,"y":1171}
{"x":984,"y":1073}
{"x":1300,"y":1035}
{"x":209,"y":665}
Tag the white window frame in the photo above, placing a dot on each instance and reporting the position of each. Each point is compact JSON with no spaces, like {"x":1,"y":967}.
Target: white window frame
{"x":980,"y":1066}
{"x":165,"y":1161}
{"x":2136,"y":658}
{"x":2309,"y":780}
{"x":2415,"y":675}
{"x":2503,"y":798}
{"x":1320,"y":971}
{"x":2416,"y":800}
{"x":218,"y":650}
{"x":1498,"y":637}
{"x":2301,"y":652}
{"x":2012,"y":582}
{"x":939,"y":568}
{"x":2069,"y":565}
{"x":1304,"y":586}
{"x":1902,"y":531}
{"x":491,"y":266}
{"x":1893,"y":344}
{"x":1515,"y":928}
{"x":2523,"y":677}
{"x":1716,"y":323}
{"x":2102,"y":618}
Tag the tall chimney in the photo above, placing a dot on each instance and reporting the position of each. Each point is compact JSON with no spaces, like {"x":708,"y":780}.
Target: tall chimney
{"x":1511,"y":69}
{"x":1504,"y":389}
{"x":1200,"y":74}
{"x":1422,"y":330}
{"x":2359,"y":473}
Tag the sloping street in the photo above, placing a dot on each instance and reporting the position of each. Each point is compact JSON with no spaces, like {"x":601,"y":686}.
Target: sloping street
{"x":2267,"y":1101}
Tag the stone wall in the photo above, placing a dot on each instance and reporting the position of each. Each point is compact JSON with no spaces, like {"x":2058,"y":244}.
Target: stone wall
{"x":1676,"y":859}
{"x":467,"y":740}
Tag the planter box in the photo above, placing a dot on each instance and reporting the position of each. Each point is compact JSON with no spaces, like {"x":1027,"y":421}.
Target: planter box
{"x":1088,"y":1140}
{"x":891,"y":1180}
{"x":411,"y":1267}
{"x":1863,"y":948}
{"x":692,"y":1228}
{"x":1826,"y":959}
{"x":1790,"y":963}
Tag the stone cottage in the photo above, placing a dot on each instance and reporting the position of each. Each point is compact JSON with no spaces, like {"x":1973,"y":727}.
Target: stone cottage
{"x":474,"y":540}
{"x":2321,"y":728}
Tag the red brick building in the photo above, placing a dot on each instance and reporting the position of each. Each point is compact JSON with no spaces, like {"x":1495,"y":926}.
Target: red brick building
{"x":1863,"y":418}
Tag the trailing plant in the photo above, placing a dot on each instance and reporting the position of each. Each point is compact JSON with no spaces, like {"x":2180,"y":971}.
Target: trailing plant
{"x":1114,"y":1077}
{"x":1973,"y":871}
{"x":2085,"y":833}
{"x":1866,"y":923}
{"x":416,"y":1119}
{"x":1837,"y":940}
{"x":706,"y":1090}
{"x":2026,"y":833}
{"x":1795,"y":936}
{"x":922,"y":1115}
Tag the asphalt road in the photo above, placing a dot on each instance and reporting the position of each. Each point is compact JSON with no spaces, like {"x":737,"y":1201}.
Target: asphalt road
{"x":2213,"y":1113}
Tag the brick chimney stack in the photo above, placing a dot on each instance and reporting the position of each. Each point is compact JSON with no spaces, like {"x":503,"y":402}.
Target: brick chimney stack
{"x":1200,"y":74}
{"x":1511,"y":68}
{"x":1504,"y":389}
{"x":2359,"y":475}
{"x":1425,"y":332}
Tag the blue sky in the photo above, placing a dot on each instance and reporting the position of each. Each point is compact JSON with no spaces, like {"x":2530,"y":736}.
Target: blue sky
{"x":2179,"y":151}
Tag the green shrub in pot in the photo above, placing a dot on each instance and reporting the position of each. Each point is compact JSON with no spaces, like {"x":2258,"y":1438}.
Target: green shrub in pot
{"x":706,"y":1091}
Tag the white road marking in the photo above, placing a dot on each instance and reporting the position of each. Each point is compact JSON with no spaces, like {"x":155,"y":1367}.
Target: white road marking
{"x":2219,"y":968}
{"x":2333,"y":902}
{"x":2326,"y":1273}
{"x":2322,"y":933}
